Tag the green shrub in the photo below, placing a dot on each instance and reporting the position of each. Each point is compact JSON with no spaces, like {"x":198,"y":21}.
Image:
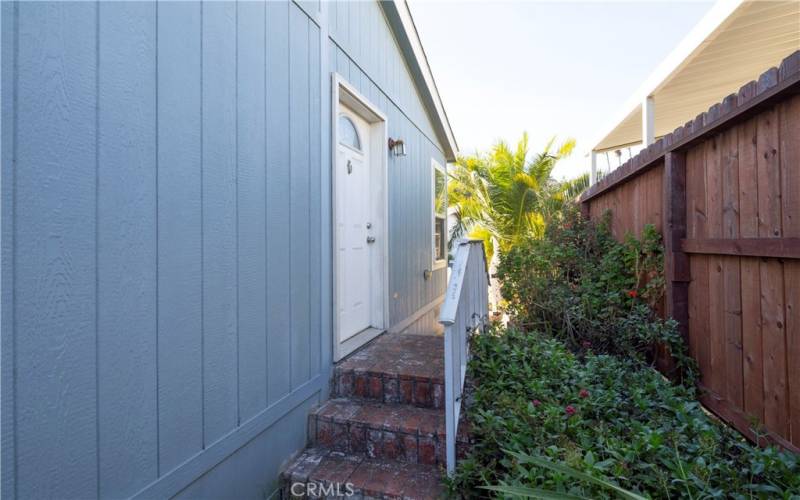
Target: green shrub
{"x":567,"y":392}
{"x":580,"y":285}
{"x":607,"y":416}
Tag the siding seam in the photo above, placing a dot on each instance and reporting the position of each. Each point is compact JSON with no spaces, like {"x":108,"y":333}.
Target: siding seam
{"x":202,"y":254}
{"x":236,"y":196}
{"x":96,"y":243}
{"x":15,"y":152}
{"x":266,"y":216}
{"x":158,"y":406}
{"x":289,"y":128}
{"x":325,"y":248}
{"x":310,"y":217}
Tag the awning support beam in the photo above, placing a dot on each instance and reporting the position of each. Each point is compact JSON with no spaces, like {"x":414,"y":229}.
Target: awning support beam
{"x":648,"y":121}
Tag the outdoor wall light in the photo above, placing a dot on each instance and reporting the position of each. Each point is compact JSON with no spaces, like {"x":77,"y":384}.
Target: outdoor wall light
{"x":397,"y":146}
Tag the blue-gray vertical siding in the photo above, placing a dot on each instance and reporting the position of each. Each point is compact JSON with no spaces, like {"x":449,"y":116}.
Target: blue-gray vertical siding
{"x":8,"y":63}
{"x":55,"y":250}
{"x":363,"y":50}
{"x":166,"y":263}
{"x":127,"y":277}
{"x":251,"y":188}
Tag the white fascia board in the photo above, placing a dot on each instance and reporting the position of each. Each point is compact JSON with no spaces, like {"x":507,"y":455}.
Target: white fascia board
{"x":690,"y":46}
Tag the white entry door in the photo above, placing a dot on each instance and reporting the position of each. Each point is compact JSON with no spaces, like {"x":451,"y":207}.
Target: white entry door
{"x":354,"y":238}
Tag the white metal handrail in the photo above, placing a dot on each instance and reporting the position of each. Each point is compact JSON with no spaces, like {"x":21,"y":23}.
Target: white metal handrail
{"x":465,"y":310}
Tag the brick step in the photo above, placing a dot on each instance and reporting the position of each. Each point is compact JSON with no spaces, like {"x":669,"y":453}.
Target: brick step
{"x":324,"y":473}
{"x":377,"y":430}
{"x":395,"y":368}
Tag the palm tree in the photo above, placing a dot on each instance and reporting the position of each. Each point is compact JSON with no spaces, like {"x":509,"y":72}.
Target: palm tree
{"x":504,"y":197}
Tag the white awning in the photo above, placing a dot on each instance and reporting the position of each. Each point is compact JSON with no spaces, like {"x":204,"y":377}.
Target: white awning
{"x":733,"y":44}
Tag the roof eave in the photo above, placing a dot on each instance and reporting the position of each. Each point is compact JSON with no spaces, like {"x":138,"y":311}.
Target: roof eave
{"x":402,"y":24}
{"x":699,"y":35}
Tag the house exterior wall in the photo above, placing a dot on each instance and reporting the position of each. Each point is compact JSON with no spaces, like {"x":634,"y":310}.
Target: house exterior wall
{"x":364,"y":52}
{"x":166,"y":240}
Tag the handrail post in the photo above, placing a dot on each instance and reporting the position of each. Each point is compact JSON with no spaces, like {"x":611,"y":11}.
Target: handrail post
{"x":464,"y":309}
{"x":449,"y":411}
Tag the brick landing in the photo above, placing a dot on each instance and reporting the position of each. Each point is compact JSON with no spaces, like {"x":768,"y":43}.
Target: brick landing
{"x":395,"y":368}
{"x":383,"y":429}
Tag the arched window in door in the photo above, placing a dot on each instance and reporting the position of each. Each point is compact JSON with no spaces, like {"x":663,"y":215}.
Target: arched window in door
{"x":348,"y":133}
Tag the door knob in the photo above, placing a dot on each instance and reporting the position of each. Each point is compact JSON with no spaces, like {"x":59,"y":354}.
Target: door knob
{"x":370,"y":239}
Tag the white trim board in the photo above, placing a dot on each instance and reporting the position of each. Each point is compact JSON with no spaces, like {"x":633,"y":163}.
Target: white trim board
{"x":441,"y":263}
{"x":346,"y":94}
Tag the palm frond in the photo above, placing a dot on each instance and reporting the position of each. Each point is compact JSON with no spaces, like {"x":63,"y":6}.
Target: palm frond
{"x":508,"y":194}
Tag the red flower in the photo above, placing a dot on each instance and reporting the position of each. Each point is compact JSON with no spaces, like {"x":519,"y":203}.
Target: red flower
{"x":584,"y":393}
{"x":536,"y":402}
{"x":570,"y":410}
{"x":633,"y":294}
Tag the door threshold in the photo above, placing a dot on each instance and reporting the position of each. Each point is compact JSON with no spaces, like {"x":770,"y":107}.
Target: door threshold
{"x":357,"y":341}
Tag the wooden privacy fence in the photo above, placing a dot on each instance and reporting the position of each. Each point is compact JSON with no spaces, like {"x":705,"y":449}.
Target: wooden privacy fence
{"x":724,"y":190}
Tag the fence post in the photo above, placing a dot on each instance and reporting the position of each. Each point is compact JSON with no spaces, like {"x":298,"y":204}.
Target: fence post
{"x":676,"y":262}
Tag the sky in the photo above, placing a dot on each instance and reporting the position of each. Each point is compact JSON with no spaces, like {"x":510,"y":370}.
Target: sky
{"x":559,"y":68}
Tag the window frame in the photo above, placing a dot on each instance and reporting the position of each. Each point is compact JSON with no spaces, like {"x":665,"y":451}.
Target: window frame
{"x":438,"y":263}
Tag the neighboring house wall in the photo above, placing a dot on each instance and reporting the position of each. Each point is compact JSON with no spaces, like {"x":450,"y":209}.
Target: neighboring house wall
{"x":166,"y":239}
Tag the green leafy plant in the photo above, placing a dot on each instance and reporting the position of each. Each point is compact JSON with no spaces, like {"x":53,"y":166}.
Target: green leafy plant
{"x":565,"y":402}
{"x":549,"y":423}
{"x":563,"y":469}
{"x":508,"y":195}
{"x":580,"y":285}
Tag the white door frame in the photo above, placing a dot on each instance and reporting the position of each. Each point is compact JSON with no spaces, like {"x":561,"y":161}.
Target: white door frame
{"x":344,"y":93}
